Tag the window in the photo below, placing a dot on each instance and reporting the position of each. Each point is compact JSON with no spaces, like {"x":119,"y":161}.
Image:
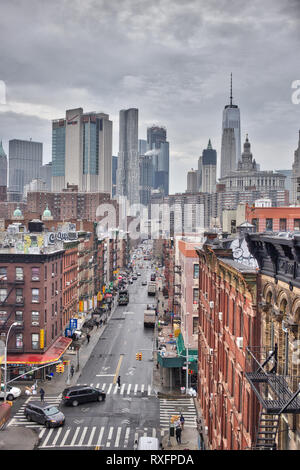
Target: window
{"x":19,"y":316}
{"x":255,"y":223}
{"x":45,"y":294}
{"x":195,"y":325}
{"x":282,"y":225}
{"x":35,"y":274}
{"x":19,"y":296}
{"x":3,"y":295}
{"x":35,"y":318}
{"x":19,"y":274}
{"x":269,"y":225}
{"x":3,"y":317}
{"x":35,"y":341}
{"x":196,"y":271}
{"x":296,"y":224}
{"x":241,"y":321}
{"x":195,"y":295}
{"x":232,"y":379}
{"x":45,"y":272}
{"x":19,"y":340}
{"x":35,"y":295}
{"x":3,"y":274}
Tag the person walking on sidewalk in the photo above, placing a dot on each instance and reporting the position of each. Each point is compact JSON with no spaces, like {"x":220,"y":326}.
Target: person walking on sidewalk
{"x":42,"y":394}
{"x":119,"y":381}
{"x":178,"y":435}
{"x":72,"y":370}
{"x":182,"y":421}
{"x":88,"y":337}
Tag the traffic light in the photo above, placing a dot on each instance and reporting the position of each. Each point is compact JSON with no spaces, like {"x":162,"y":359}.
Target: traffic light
{"x":138,"y":356}
{"x":60,"y":368}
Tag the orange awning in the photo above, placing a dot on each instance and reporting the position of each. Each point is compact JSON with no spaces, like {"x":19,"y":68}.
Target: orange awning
{"x":55,"y":351}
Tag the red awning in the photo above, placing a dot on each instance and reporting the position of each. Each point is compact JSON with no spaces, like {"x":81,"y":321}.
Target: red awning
{"x":108,"y":295}
{"x":51,"y":355}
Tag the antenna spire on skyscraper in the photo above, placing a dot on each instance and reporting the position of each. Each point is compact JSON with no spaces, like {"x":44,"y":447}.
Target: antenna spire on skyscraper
{"x":231,"y":89}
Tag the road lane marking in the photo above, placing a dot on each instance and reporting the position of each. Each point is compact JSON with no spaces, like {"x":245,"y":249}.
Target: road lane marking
{"x":149,"y":389}
{"x":126,"y":437}
{"x":142,"y":388}
{"x":118,"y":368}
{"x":65,"y":438}
{"x":109,"y":388}
{"x":100,"y":436}
{"x":82,"y":436}
{"x":75,"y":436}
{"x":111,"y":430}
{"x":57,"y":436}
{"x":117,"y":441}
{"x":128,"y":389}
{"x":135,"y":389}
{"x":116,"y":389}
{"x":122,"y":389}
{"x":47,"y":437}
{"x":91,"y":436}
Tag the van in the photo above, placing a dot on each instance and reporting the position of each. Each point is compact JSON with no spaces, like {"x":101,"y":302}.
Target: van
{"x":148,"y":443}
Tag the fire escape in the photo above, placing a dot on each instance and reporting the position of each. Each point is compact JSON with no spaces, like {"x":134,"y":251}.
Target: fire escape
{"x":177,"y":285}
{"x":9,"y":306}
{"x":276,"y":393}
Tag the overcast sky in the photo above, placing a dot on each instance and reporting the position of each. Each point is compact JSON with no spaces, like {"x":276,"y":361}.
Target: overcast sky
{"x":171,"y":59}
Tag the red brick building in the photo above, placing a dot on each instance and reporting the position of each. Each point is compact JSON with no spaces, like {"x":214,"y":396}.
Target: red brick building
{"x":276,"y":219}
{"x":228,"y":323}
{"x":70,"y":273}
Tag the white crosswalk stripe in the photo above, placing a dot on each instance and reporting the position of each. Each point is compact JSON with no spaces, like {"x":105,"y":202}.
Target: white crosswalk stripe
{"x":125,"y":389}
{"x":171,"y":407}
{"x":19,"y":418}
{"x":104,"y":437}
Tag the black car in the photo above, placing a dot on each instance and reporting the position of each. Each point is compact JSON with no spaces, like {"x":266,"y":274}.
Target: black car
{"x":44,"y":413}
{"x":82,"y":394}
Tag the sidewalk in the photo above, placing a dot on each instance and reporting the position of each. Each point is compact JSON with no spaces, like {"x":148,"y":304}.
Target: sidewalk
{"x":14,"y":438}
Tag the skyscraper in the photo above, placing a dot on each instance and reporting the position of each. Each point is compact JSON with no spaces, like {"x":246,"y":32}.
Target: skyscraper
{"x":231,"y":137}
{"x":82,"y":151}
{"x":25,"y":160}
{"x":114,"y":175}
{"x":3,"y":166}
{"x":128,"y":173}
{"x":296,"y":175}
{"x":192,"y":181}
{"x":209,"y":169}
{"x":157,"y":143}
{"x":3,"y":174}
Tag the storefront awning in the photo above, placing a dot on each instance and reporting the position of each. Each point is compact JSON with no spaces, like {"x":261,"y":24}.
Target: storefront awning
{"x":51,"y":355}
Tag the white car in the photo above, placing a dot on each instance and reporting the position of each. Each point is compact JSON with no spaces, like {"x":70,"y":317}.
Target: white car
{"x":11,"y":392}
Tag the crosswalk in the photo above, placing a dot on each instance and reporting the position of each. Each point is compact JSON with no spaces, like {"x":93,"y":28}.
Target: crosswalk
{"x":94,"y":437}
{"x":125,"y":389}
{"x":169,"y":407}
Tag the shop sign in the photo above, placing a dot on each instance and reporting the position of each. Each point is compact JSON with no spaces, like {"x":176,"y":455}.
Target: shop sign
{"x":62,"y":236}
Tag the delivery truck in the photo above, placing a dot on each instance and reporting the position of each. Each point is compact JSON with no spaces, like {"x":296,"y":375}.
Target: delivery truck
{"x":149,"y":318}
{"x":151,"y":288}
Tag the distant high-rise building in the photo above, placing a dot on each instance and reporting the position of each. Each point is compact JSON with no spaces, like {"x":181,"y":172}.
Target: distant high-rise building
{"x":157,"y":143}
{"x":25,"y":160}
{"x":192,"y":181}
{"x":199,"y":174}
{"x":3,"y":174}
{"x":231,"y":137}
{"x":142,"y":146}
{"x":209,"y":169}
{"x":146,"y":178}
{"x":46,"y":175}
{"x":82,"y":151}
{"x":3,"y":166}
{"x":296,"y":175}
{"x":114,"y":175}
{"x":128,"y":177}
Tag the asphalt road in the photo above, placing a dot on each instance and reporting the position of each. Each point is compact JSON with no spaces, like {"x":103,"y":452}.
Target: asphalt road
{"x":128,"y":412}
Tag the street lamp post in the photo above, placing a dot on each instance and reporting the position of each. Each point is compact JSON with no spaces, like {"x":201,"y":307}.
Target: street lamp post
{"x":187,"y":353}
{"x":5,"y":360}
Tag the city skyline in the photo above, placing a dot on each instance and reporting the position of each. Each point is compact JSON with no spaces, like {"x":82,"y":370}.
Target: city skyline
{"x":159,"y":80}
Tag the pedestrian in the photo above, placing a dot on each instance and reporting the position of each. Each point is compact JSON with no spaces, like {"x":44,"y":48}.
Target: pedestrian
{"x":178,"y":435}
{"x":42,"y":394}
{"x":135,"y":445}
{"x":72,"y":370}
{"x":97,"y":324}
{"x":182,"y":421}
{"x":119,"y":381}
{"x":88,"y":337}
{"x":161,"y":447}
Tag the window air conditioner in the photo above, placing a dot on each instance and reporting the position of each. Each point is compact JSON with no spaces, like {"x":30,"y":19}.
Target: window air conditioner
{"x":35,"y":323}
{"x":68,"y":283}
{"x":211,"y":304}
{"x":220,"y":316}
{"x":239,"y":342}
{"x":211,"y":351}
{"x":52,"y":274}
{"x":56,"y":292}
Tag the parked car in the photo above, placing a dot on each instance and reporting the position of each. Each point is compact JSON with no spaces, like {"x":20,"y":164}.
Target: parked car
{"x":11,"y":392}
{"x":139,"y":274}
{"x":82,"y":394}
{"x":44,"y":413}
{"x":134,"y":277}
{"x":144,"y":283}
{"x":89,"y":323}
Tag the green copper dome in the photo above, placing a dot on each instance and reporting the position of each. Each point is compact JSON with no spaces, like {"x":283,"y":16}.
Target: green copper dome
{"x":47,"y":212}
{"x":17,"y":212}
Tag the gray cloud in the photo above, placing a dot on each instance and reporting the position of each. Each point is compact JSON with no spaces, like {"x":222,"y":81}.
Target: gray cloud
{"x":171,"y":59}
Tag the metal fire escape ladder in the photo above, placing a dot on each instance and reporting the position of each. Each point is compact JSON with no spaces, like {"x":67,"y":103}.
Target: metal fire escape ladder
{"x":275,"y":396}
